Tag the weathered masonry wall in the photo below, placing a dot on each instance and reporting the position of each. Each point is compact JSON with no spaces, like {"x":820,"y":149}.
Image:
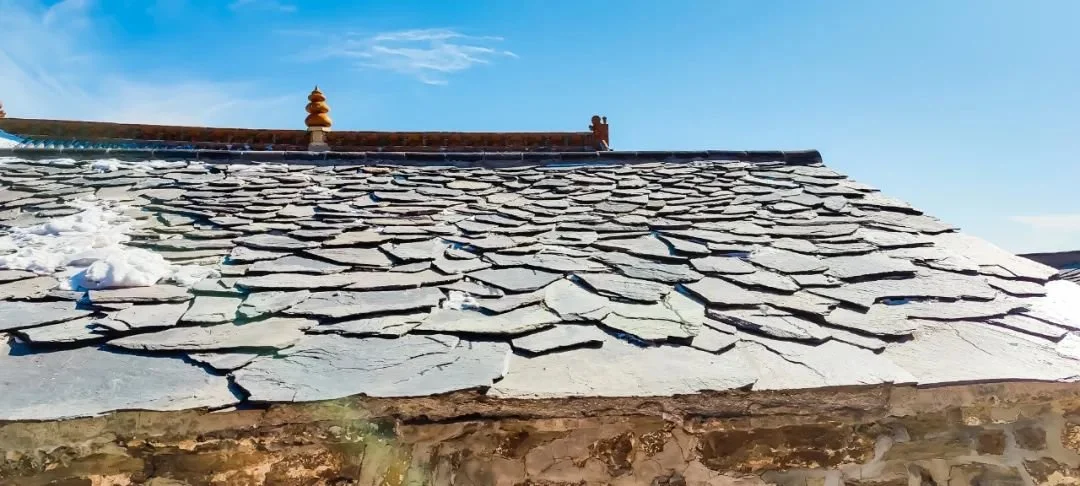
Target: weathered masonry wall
{"x":1001,"y":434}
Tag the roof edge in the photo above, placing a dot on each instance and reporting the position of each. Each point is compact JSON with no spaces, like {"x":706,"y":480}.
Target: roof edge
{"x":462,"y":159}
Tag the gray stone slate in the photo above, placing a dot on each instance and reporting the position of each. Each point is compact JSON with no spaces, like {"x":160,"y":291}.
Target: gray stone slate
{"x":879,"y":320}
{"x":618,"y":286}
{"x":141,"y":295}
{"x":415,"y":251}
{"x":258,"y":304}
{"x":787,"y":262}
{"x":400,"y":280}
{"x":224,"y":361}
{"x":939,"y":285}
{"x":296,"y":264}
{"x":68,"y":332}
{"x":805,"y":280}
{"x":975,"y":352}
{"x":686,"y":247}
{"x":299,"y":281}
{"x":13,"y":275}
{"x":892,"y":239}
{"x":340,"y":304}
{"x":468,"y":185}
{"x":635,"y":267}
{"x":721,"y":264}
{"x":720,"y":292}
{"x":961,"y":310}
{"x":801,"y":302}
{"x":243,"y":254}
{"x":216,"y":286}
{"x":184,"y":244}
{"x":490,"y":243}
{"x":764,"y":279}
{"x":842,"y":249}
{"x":813,"y":232}
{"x":516,"y":279}
{"x":1030,"y":325}
{"x":88,"y":381}
{"x":643,"y":246}
{"x":358,"y":238}
{"x":620,"y":369}
{"x":517,"y":321}
{"x":574,"y":303}
{"x":855,"y":339}
{"x":510,"y":302}
{"x":1017,"y":288}
{"x":546,"y":261}
{"x":473,"y":288}
{"x":357,"y":257}
{"x":31,"y":288}
{"x":789,"y":365}
{"x":872,"y":265}
{"x":560,"y":337}
{"x":796,"y":245}
{"x":649,"y":329}
{"x":676,"y":317}
{"x":150,"y":316}
{"x":986,"y":254}
{"x":326,"y":367}
{"x":273,"y":333}
{"x":772,"y":322}
{"x":459,"y":254}
{"x":274,"y":242}
{"x":450,"y":266}
{"x":393,"y":325}
{"x":19,"y":315}
{"x":713,"y":341}
{"x":212,"y":309}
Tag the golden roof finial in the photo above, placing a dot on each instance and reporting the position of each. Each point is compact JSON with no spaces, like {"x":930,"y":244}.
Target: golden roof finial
{"x":317,"y":110}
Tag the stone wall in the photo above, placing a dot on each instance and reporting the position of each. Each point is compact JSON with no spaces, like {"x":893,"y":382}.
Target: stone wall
{"x":1001,"y":434}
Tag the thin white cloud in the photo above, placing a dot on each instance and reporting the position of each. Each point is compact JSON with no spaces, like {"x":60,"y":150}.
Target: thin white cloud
{"x":429,"y":55}
{"x":52,"y":70}
{"x":1051,"y":222}
{"x":264,"y":5}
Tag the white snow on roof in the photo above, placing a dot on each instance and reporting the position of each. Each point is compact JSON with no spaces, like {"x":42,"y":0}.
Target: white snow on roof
{"x":89,"y":246}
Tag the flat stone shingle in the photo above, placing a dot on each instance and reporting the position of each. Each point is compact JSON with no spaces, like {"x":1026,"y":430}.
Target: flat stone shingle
{"x":393,"y":280}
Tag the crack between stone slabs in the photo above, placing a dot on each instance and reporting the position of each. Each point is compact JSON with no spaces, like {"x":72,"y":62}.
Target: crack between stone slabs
{"x":966,"y":340}
{"x":790,"y":360}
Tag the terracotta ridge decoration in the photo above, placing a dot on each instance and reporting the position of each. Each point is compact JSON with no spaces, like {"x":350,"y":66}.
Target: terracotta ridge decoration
{"x":317,"y":110}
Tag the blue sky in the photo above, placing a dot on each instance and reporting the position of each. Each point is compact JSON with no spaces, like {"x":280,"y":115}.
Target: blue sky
{"x":965,"y":108}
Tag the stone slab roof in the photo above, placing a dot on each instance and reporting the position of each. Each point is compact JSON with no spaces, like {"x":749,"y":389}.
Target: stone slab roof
{"x":524,"y":278}
{"x":1067,"y":263}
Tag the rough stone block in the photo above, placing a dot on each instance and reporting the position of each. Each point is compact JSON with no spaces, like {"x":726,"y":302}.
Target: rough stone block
{"x":1030,"y":436}
{"x":990,"y":442}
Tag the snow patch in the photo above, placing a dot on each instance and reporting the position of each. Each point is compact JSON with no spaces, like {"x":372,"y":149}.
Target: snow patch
{"x":106,"y":165}
{"x":459,"y":300}
{"x":1062,"y":301}
{"x":113,"y":165}
{"x":90,"y":248}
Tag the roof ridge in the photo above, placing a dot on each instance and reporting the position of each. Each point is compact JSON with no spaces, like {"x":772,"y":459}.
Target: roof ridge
{"x":481,"y":159}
